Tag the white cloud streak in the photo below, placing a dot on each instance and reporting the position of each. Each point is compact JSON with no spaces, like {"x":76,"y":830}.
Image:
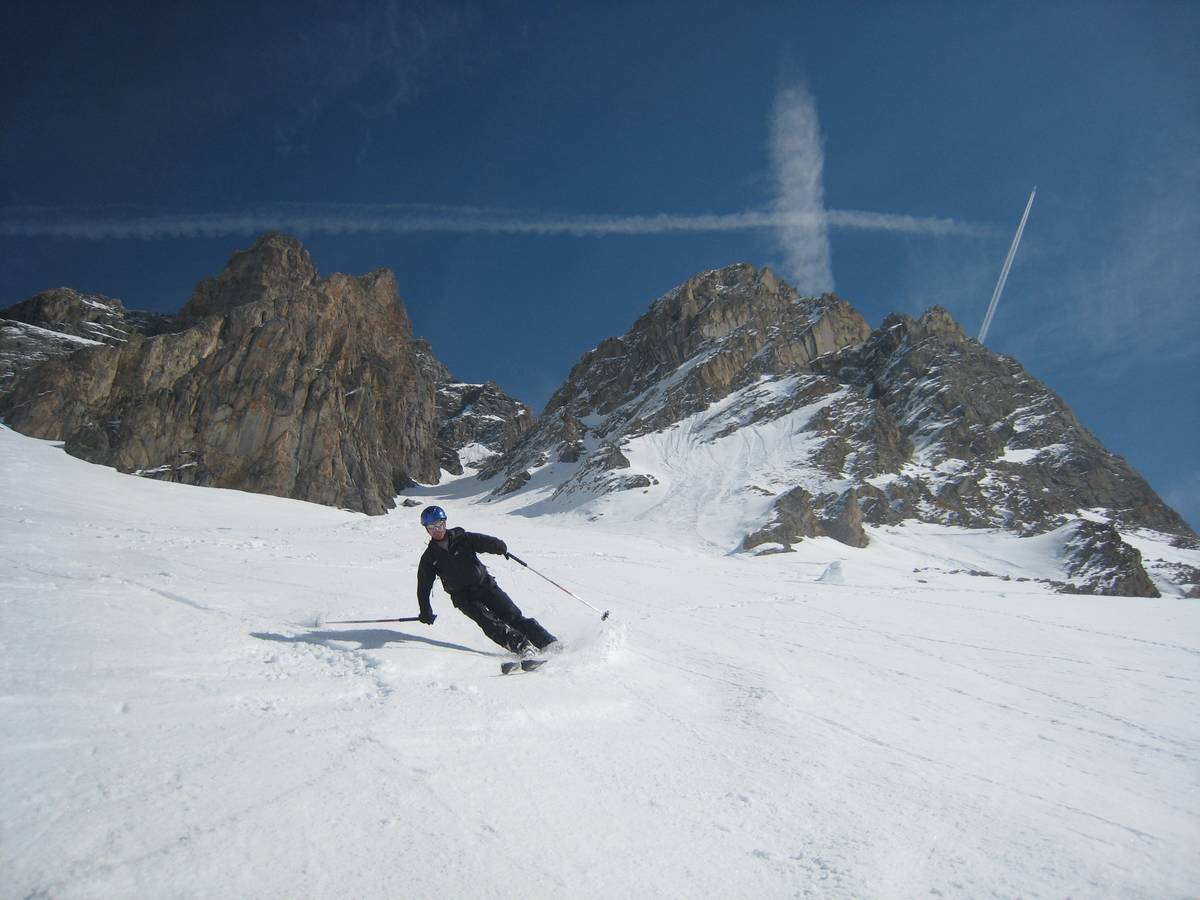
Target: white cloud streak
{"x":421,"y":219}
{"x":798,"y":163}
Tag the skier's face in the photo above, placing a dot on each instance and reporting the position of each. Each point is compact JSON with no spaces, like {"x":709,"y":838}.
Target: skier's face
{"x":437,"y":530}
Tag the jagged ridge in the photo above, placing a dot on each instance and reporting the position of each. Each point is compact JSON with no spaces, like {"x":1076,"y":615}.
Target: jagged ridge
{"x":272,"y":379}
{"x":853,"y":427}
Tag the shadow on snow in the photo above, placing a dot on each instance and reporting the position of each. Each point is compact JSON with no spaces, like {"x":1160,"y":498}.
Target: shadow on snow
{"x":366,"y":638}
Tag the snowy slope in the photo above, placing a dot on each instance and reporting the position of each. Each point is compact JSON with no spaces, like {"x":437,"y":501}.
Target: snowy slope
{"x":174,"y":727}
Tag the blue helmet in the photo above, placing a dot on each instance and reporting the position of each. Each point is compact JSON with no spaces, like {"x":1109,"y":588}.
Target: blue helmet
{"x":431,"y":514}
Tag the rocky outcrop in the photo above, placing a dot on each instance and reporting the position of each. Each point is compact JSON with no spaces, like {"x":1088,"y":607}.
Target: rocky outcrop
{"x":67,"y":312}
{"x":991,"y":445}
{"x":94,"y":317}
{"x":953,"y":433}
{"x":56,"y":323}
{"x":276,"y":268}
{"x":279,"y":382}
{"x":477,"y":422}
{"x":1098,"y":561}
{"x":798,"y":515}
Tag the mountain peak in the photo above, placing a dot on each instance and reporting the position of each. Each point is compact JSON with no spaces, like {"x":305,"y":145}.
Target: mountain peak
{"x":789,"y":414}
{"x":712,"y":336}
{"x":276,"y":266}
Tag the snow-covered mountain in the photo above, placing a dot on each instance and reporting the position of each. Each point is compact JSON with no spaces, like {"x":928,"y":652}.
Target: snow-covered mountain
{"x":179,"y":721}
{"x":799,"y":421}
{"x":794,"y":416}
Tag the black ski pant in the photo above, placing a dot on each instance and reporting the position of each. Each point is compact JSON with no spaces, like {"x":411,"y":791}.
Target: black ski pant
{"x":501,"y":620}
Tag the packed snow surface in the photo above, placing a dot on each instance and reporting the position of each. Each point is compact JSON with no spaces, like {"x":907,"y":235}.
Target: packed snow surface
{"x":176,"y":723}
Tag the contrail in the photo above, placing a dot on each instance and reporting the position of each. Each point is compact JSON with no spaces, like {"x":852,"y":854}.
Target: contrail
{"x":798,"y":162}
{"x":419,"y":219}
{"x":1012,"y":251}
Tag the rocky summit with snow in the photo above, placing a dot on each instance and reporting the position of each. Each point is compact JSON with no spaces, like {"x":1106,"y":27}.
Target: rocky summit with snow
{"x":796,"y":415}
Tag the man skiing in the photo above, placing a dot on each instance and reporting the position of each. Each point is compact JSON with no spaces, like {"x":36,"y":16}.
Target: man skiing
{"x":451,"y":557}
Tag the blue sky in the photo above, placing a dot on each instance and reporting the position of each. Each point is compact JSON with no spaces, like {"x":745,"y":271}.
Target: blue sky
{"x":537,"y":174}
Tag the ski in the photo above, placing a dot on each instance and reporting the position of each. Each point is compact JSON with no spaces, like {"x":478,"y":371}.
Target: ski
{"x":525,"y":665}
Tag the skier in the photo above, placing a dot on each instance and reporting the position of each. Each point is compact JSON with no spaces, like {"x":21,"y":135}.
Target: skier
{"x":474,"y":592}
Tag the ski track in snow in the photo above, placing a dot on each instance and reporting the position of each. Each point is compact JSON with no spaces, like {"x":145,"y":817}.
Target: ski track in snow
{"x":176,"y":724}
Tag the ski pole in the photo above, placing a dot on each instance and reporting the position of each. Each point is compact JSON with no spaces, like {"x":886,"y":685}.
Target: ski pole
{"x":517,"y":559}
{"x":373,"y":621}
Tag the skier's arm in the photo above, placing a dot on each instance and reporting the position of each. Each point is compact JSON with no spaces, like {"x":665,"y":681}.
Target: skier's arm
{"x":425,"y":577}
{"x":485,"y":543}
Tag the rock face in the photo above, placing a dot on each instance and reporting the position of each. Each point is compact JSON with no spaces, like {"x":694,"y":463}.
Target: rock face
{"x":1098,"y":561}
{"x":272,"y":380}
{"x":56,"y":323}
{"x":991,"y":445}
{"x":68,"y":312}
{"x":841,"y":427}
{"x":719,"y":332}
{"x":476,"y":422}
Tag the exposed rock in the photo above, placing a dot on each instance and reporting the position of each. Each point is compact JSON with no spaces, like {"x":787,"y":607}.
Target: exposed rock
{"x":798,"y":515}
{"x":477,"y":423}
{"x":285,"y":384}
{"x":24,"y":346}
{"x":719,"y":333}
{"x":601,"y":472}
{"x":1180,"y":576}
{"x":430,"y":366}
{"x":557,"y":435}
{"x":56,"y":323}
{"x":275,"y":269}
{"x":514,"y":482}
{"x":1098,"y":561}
{"x":994,"y":446}
{"x":794,"y":518}
{"x":911,"y":421}
{"x":65,"y":311}
{"x":842,"y":519}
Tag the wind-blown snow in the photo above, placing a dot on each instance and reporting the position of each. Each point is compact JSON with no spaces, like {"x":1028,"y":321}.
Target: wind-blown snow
{"x":176,"y":725}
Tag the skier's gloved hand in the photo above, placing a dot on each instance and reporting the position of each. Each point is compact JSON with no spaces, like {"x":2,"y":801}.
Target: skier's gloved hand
{"x":503,"y":549}
{"x":426,"y":617}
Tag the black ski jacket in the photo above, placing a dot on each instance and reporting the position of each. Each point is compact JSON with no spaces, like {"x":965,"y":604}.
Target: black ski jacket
{"x":457,"y":565}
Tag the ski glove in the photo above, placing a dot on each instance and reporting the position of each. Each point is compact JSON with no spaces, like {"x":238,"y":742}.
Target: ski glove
{"x":426,"y":617}
{"x":503,"y":551}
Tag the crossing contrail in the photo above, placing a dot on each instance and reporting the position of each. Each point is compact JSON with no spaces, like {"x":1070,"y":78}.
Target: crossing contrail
{"x":319,"y":218}
{"x":1012,"y":251}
